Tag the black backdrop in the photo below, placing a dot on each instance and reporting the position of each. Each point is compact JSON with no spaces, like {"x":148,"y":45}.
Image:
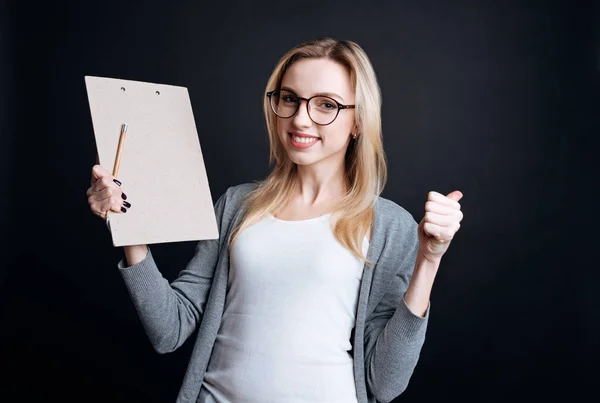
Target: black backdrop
{"x":496,"y":99}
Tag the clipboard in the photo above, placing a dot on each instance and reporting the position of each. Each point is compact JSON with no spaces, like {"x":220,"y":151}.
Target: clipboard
{"x":161,"y":168}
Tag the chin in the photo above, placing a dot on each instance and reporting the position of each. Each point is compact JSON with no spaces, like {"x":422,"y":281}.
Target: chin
{"x":301,"y":159}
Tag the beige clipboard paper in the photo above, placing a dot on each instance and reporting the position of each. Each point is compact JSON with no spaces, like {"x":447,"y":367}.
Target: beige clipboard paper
{"x":161,"y":167}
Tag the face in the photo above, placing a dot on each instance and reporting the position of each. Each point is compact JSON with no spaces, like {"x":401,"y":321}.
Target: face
{"x":307,"y":143}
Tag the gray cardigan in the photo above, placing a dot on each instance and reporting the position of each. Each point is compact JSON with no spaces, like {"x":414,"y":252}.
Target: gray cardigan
{"x":387,"y":337}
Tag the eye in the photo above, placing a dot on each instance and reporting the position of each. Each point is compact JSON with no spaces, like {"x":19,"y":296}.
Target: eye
{"x":324,"y":104}
{"x":289,"y":99}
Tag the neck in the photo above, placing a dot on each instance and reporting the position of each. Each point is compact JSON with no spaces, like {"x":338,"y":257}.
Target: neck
{"x":315,"y":186}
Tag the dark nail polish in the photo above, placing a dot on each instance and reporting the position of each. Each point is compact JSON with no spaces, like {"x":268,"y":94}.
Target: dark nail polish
{"x":126,"y":204}
{"x":117,"y":182}
{"x":123,"y":196}
{"x":123,"y":209}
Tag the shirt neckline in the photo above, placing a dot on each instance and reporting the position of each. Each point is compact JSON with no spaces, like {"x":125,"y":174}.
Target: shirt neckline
{"x":319,"y":218}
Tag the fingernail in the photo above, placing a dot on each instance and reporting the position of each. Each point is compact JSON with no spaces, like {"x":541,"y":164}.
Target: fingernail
{"x":117,"y":182}
{"x":127,"y":204}
{"x":123,"y":209}
{"x":123,"y":196}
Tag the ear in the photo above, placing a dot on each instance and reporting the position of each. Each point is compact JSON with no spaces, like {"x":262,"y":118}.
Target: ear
{"x":355,"y":131}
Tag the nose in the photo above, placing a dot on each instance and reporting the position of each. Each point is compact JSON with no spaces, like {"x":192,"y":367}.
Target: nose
{"x":301,"y":118}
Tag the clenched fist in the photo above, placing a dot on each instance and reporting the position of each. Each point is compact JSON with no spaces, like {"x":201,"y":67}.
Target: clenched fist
{"x":105,"y":193}
{"x":439,"y":225}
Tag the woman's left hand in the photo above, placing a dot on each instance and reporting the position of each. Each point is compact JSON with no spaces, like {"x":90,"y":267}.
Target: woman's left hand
{"x":439,"y":225}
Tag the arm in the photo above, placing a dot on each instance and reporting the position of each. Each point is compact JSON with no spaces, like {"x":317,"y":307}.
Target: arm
{"x":171,"y":312}
{"x":394,"y":334}
{"x":135,"y":253}
{"x":421,"y":283}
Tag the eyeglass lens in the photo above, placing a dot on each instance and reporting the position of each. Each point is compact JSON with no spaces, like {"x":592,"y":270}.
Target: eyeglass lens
{"x":322,"y":110}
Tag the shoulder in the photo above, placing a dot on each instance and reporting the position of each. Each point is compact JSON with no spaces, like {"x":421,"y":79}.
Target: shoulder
{"x":234,"y":196}
{"x":239,"y":192}
{"x":393,"y":215}
{"x":394,"y":229}
{"x":230,"y":203}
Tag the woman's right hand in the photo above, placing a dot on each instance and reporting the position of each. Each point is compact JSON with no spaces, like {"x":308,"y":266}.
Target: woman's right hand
{"x":104,"y":194}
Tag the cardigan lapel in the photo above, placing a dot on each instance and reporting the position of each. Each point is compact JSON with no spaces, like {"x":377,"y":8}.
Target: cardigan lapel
{"x":377,"y":244}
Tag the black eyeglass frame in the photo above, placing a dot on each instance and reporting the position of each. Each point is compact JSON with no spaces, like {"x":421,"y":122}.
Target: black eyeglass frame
{"x":339,"y":106}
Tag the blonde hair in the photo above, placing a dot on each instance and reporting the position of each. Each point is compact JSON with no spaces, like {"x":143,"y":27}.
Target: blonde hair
{"x":365,"y":162}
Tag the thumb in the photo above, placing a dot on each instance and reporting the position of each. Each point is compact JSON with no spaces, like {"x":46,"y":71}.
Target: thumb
{"x":456,"y":195}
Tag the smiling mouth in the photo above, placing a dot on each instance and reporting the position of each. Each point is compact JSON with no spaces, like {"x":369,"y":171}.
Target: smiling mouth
{"x":301,"y":142}
{"x":303,"y":139}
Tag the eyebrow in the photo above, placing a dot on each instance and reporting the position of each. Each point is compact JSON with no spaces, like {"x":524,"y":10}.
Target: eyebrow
{"x":321,"y":94}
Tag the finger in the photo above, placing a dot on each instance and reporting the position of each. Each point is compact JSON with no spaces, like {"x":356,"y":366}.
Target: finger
{"x":104,"y":183}
{"x":438,"y":232}
{"x":98,"y":172}
{"x":100,"y":208}
{"x":439,"y":219}
{"x":93,"y":193}
{"x":99,"y":185}
{"x":113,"y":204}
{"x":432,"y":229}
{"x":448,"y":212}
{"x":108,"y":192}
{"x":456,"y":195}
{"x":440,"y":198}
{"x":117,"y":205}
{"x":435,"y":207}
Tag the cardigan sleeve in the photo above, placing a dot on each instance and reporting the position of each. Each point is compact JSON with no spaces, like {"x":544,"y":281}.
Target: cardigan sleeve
{"x":171,"y":312}
{"x":393,"y":334}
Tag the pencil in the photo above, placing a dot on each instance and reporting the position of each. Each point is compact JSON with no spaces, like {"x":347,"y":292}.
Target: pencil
{"x":120,"y":149}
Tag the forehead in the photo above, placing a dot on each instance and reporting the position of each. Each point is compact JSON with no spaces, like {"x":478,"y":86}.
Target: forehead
{"x":311,"y":76}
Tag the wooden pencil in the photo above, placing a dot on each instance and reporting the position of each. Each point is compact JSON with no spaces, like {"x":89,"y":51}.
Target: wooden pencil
{"x":120,"y":149}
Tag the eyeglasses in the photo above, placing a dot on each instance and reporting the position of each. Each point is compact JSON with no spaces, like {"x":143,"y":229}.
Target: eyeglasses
{"x":321,"y":109}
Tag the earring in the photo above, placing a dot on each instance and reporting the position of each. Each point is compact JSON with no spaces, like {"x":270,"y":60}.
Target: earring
{"x":354,"y":135}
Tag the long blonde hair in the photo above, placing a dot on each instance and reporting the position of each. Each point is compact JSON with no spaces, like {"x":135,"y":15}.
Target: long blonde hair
{"x":365,"y":162}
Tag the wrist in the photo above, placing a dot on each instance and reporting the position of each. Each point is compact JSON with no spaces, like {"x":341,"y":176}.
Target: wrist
{"x":429,"y":261}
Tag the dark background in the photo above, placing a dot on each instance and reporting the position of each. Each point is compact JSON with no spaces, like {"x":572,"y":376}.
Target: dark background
{"x":497,"y":99}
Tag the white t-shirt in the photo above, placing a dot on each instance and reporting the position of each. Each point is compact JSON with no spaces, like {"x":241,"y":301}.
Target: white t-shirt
{"x":289,"y":312}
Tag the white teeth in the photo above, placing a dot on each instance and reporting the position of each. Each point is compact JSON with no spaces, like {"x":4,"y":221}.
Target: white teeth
{"x":304,"y":140}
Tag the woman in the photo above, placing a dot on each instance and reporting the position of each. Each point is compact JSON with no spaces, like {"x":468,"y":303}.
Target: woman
{"x":318,"y":288}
